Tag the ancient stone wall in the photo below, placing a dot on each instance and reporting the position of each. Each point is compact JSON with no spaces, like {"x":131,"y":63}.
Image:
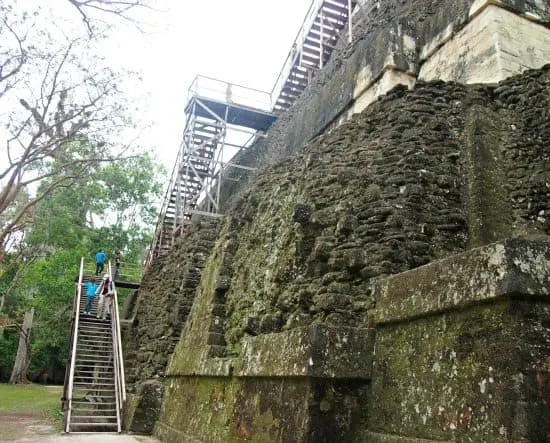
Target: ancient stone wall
{"x":396,"y":41}
{"x":418,"y":176}
{"x":278,"y":307}
{"x":300,"y":265}
{"x":462,"y":349}
{"x":164,"y":300}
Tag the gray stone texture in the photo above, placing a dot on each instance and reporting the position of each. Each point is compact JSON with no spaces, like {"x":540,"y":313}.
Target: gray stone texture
{"x":417,"y":177}
{"x":319,"y":232}
{"x":160,"y":310}
{"x":399,"y":186}
{"x":379,"y":34}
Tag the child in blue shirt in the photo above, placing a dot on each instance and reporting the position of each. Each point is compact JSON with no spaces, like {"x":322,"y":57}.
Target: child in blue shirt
{"x":90,"y":294}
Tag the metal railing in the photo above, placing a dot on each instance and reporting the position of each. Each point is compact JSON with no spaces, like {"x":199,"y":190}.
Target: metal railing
{"x":69,"y":396}
{"x":294,"y":53}
{"x":226,"y":92}
{"x":160,"y":229}
{"x":118,"y":360}
{"x":129,"y":271}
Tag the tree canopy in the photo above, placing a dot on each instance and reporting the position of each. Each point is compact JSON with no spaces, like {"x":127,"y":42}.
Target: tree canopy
{"x":73,"y":177}
{"x":62,"y":105}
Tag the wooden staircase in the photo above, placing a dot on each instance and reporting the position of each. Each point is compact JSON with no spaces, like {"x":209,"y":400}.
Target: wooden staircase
{"x":94,"y":385}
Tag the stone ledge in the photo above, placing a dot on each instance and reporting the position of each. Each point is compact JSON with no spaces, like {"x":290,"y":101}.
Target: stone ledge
{"x":374,"y":437}
{"x":532,"y":10}
{"x":495,"y":44}
{"x":388,"y":80}
{"x":514,"y":267}
{"x":203,"y":366}
{"x":315,"y":351}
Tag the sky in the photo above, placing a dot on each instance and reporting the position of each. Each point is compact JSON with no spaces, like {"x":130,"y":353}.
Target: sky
{"x":239,"y":41}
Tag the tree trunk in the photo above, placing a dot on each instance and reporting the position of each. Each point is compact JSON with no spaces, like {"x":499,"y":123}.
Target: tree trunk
{"x":19,"y":372}
{"x":12,"y":285}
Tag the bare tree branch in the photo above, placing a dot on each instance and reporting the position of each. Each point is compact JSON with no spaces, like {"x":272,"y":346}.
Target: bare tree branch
{"x":7,"y":68}
{"x":117,"y":8}
{"x":71,"y":112}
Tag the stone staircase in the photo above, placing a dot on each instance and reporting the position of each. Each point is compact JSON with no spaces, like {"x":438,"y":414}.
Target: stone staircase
{"x":94,"y":406}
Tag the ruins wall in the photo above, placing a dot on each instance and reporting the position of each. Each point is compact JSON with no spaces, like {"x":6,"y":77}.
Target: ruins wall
{"x":292,"y":292}
{"x":404,"y":189}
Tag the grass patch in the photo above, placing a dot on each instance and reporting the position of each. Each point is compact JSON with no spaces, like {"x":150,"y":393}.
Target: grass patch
{"x":39,"y":400}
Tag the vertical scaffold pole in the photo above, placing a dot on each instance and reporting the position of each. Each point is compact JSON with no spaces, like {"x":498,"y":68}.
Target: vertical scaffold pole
{"x":350,"y":24}
{"x":321,"y":38}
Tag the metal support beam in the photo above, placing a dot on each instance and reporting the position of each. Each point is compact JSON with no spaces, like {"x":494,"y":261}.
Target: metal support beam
{"x":350,"y":22}
{"x":197,"y":180}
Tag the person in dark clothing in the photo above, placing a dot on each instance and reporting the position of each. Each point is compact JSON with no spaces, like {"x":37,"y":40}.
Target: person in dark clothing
{"x":100,"y":258}
{"x":118,"y":259}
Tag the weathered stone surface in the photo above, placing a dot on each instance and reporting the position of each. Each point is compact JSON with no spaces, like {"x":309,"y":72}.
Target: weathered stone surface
{"x":163,"y":302}
{"x":479,"y":374}
{"x":370,"y":225}
{"x":517,"y":267}
{"x":328,"y":240}
{"x":374,"y":437}
{"x":260,"y":409}
{"x":393,"y":39}
{"x":429,"y":173}
{"x":144,"y":407}
{"x":317,"y":351}
{"x":462,"y":347}
{"x":493,"y":46}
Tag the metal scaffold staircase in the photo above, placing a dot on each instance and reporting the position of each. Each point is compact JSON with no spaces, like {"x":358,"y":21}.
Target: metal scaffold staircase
{"x":220,"y":108}
{"x":220,"y":117}
{"x":94,"y":391}
{"x":323,"y":26}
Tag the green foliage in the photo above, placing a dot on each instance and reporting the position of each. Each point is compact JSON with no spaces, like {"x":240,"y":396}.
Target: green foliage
{"x":9,"y":339}
{"x":108,"y":209}
{"x":39,"y":401}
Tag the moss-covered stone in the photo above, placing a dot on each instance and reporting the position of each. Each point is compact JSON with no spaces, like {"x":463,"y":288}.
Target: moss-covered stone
{"x":463,"y":376}
{"x":370,"y":225}
{"x":451,"y":365}
{"x":316,"y":351}
{"x":143,"y":408}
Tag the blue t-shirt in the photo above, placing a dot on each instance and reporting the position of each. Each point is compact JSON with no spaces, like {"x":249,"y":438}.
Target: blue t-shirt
{"x":100,"y":257}
{"x":90,"y":289}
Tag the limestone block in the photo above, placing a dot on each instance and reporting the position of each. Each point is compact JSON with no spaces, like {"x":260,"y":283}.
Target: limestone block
{"x":389,"y":79}
{"x":495,"y":45}
{"x":532,"y":9}
{"x":478,"y":374}
{"x":317,"y":351}
{"x":515,"y":267}
{"x":432,"y":45}
{"x":462,"y":347}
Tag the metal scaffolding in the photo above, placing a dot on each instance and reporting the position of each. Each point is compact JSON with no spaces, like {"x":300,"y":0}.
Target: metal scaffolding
{"x":325,"y":23}
{"x":221,"y":119}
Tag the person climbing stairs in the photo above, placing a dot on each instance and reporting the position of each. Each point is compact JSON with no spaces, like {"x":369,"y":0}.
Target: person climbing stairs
{"x":94,"y":386}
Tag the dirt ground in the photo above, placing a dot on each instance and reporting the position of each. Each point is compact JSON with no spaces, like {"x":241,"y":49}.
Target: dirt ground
{"x":29,"y":428}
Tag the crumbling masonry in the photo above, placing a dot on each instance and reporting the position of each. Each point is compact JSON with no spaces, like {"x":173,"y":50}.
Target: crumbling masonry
{"x":385,"y":275}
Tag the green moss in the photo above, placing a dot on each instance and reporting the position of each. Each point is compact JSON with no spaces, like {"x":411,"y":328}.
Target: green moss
{"x":201,"y":406}
{"x":489,"y":210}
{"x":446,"y":377}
